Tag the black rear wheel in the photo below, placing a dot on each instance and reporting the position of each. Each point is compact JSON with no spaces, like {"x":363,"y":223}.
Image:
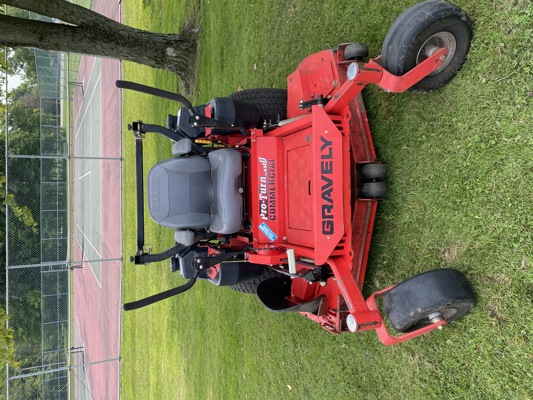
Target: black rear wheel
{"x":428,"y":298}
{"x":271,"y":103}
{"x":422,"y":30}
{"x":251,"y":285}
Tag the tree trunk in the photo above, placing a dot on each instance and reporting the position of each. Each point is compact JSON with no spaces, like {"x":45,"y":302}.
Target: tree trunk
{"x":99,"y":36}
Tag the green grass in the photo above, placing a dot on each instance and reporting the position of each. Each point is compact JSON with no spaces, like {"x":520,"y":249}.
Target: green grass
{"x":460,"y":164}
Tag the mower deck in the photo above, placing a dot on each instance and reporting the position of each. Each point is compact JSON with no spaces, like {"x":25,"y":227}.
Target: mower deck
{"x":306,"y":184}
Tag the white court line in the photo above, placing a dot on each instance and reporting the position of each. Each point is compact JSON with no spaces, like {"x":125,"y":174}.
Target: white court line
{"x":94,"y":248}
{"x":86,"y":238}
{"x":90,"y":98}
{"x":87,"y":108}
{"x":88,"y":263}
{"x":86,"y":386}
{"x":83,"y":176}
{"x":93,"y":89}
{"x":79,"y":340}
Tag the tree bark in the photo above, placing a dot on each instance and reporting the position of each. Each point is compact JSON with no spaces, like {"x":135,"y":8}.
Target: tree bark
{"x":97,"y":35}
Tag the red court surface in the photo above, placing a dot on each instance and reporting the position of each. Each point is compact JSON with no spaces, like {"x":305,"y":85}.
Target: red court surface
{"x":97,"y":221}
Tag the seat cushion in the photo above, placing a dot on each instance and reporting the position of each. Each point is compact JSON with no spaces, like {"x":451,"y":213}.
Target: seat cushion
{"x":180,"y":193}
{"x":226,"y":207}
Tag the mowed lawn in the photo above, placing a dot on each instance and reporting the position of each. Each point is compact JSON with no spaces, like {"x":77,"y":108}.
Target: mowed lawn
{"x":460,"y":180}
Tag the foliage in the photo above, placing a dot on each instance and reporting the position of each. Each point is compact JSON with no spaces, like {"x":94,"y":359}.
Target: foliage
{"x":22,"y":61}
{"x":24,"y":174}
{"x":7,"y":345}
{"x":22,"y":213}
{"x":23,"y":129}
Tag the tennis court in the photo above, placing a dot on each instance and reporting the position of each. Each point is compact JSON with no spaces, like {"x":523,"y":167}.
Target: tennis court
{"x":97,"y":221}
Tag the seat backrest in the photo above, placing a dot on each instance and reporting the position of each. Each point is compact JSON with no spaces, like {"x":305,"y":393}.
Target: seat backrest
{"x":180,"y":193}
{"x":226,"y":206}
{"x":196,"y":192}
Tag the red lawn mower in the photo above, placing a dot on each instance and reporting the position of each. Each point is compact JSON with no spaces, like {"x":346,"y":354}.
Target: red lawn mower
{"x":274,"y":191}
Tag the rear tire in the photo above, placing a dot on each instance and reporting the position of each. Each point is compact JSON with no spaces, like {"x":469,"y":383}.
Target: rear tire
{"x":250,"y":286}
{"x":271,"y":103}
{"x":418,"y":32}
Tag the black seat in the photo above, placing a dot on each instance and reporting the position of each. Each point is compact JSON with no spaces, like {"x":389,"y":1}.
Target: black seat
{"x":189,"y":193}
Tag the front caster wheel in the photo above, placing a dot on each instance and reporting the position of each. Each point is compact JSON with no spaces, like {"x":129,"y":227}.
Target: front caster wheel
{"x":428,"y":298}
{"x":374,"y":172}
{"x":356,"y":51}
{"x":374,"y":190}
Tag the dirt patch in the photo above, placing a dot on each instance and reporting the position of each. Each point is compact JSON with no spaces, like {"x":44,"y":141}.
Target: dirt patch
{"x":495,"y":313}
{"x":451,"y":253}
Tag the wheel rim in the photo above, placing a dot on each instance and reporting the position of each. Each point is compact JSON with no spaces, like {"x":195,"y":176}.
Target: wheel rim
{"x":445,"y":313}
{"x":434,"y":43}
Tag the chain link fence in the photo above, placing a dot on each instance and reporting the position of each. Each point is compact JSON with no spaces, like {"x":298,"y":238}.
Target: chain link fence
{"x":63,"y":163}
